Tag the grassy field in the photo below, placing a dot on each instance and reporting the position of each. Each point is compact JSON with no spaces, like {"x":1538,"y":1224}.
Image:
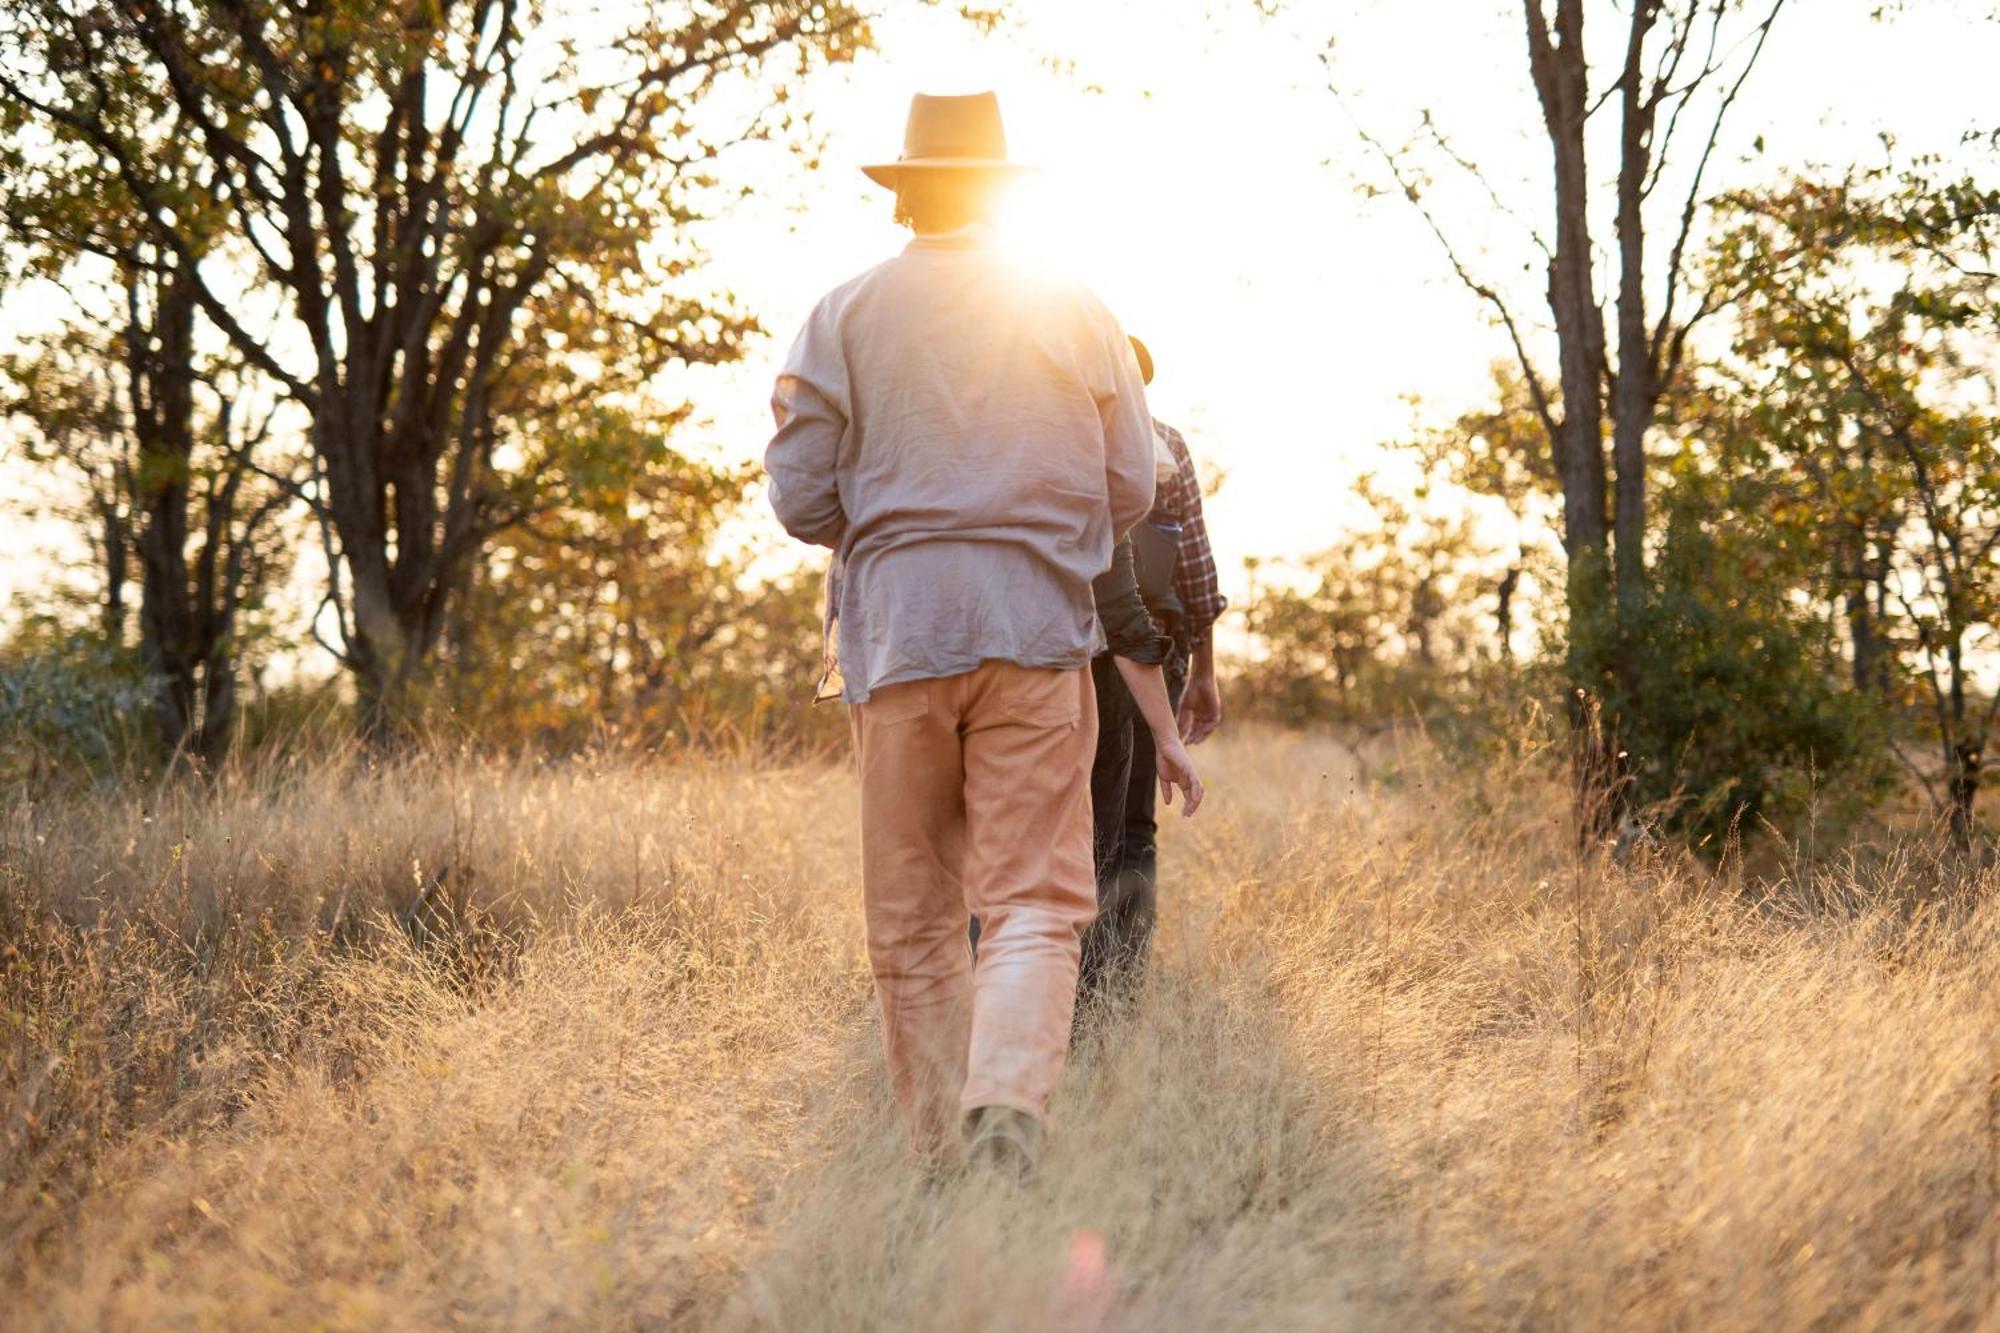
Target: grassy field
{"x":461,"y":1043}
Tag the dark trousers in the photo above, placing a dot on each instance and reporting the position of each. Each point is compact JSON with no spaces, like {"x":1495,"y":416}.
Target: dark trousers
{"x":1124,"y":800}
{"x":1124,"y":796}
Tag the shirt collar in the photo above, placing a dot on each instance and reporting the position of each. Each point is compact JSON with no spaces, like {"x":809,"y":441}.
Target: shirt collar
{"x":972,"y":236}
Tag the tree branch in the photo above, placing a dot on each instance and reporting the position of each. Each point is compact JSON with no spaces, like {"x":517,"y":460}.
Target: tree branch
{"x":1544,"y":409}
{"x":1676,"y":262}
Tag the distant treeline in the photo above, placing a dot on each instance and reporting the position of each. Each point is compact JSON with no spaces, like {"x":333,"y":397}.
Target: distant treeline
{"x":374,"y":301}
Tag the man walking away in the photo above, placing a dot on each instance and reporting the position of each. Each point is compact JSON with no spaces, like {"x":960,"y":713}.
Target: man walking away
{"x":971,"y":441}
{"x":1175,"y":570}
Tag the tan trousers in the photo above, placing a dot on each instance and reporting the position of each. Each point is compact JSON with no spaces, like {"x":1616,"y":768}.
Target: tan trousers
{"x":975,"y":800}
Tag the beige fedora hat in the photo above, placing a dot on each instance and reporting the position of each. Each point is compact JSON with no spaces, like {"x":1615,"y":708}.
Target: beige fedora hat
{"x":949,"y":134}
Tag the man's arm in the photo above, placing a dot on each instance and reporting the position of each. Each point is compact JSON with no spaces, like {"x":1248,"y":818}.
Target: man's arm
{"x":1129,"y":629}
{"x":1171,"y":765}
{"x":1201,"y":697}
{"x":801,"y":458}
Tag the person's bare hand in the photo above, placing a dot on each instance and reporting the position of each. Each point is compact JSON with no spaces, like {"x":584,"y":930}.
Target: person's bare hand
{"x":1201,"y":709}
{"x":1175,"y":769}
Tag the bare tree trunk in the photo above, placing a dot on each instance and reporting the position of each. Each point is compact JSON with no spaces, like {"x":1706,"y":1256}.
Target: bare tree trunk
{"x":1962,"y":751}
{"x":116,"y":538}
{"x":190,"y":591}
{"x":1863,"y":644}
{"x":1504,"y":613}
{"x":160,"y":351}
{"x":1560,"y":71}
{"x":1861,"y":600}
{"x":1635,"y":389}
{"x":218,"y":705}
{"x":1561,"y":81}
{"x":1964,"y":759}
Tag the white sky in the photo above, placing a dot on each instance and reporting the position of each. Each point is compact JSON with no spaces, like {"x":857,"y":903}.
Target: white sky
{"x":1197,"y":172}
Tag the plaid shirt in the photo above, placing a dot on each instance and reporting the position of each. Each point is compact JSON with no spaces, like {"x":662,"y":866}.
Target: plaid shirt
{"x":1194,"y":571}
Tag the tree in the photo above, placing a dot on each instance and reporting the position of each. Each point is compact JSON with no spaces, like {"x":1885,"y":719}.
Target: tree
{"x":418,"y":191}
{"x":1681,"y":63}
{"x":167,"y":436}
{"x":177,"y":457}
{"x":161,"y":430}
{"x":614,"y":612}
{"x":1868,"y":343}
{"x":1747,"y":714}
{"x":1750,"y":719}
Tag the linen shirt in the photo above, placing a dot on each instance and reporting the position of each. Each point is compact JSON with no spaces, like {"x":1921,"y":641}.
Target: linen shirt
{"x":970,"y":438}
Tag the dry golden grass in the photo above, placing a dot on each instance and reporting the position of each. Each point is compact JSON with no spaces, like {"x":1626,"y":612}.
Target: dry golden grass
{"x":1404,"y":1064}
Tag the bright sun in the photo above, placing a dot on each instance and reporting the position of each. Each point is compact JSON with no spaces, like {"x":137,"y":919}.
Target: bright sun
{"x":1038,"y":234}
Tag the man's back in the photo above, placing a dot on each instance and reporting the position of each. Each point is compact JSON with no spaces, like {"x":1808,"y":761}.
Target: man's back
{"x":969,"y":438}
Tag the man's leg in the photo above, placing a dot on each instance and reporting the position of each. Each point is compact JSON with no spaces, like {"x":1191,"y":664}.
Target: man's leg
{"x":1130,"y":907}
{"x":912,"y":840}
{"x":1109,"y":772}
{"x":1028,"y":742}
{"x":1110,"y":775}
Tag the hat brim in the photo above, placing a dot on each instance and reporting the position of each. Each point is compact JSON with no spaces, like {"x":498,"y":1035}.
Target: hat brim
{"x":887,"y":174}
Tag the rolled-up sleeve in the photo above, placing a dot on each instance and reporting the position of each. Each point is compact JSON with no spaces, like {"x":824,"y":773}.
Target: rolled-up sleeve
{"x":1129,"y":631}
{"x":801,"y":460}
{"x":1129,"y":474}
